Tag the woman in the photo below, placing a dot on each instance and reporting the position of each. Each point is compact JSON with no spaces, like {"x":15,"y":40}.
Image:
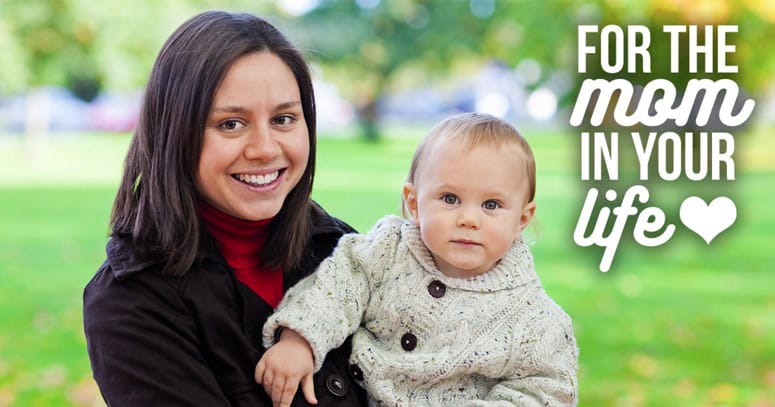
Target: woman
{"x":212,"y":223}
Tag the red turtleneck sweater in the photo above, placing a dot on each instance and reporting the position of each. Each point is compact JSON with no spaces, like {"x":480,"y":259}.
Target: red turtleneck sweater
{"x":241,"y":242}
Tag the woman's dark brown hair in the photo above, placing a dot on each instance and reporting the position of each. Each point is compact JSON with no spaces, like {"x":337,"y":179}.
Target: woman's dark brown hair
{"x":156,"y":204}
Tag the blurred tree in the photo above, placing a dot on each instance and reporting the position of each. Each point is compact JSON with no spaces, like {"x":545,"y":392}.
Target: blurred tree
{"x":57,"y":44}
{"x":83,"y":46}
{"x":13,"y":75}
{"x":367,"y":46}
{"x":131,"y":34}
{"x":363,"y":44}
{"x":87,"y":46}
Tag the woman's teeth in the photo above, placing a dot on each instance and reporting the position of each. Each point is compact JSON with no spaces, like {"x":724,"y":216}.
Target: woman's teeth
{"x":258,"y":180}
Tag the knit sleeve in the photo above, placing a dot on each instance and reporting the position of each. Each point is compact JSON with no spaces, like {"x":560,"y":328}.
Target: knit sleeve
{"x":327,"y":307}
{"x":543,"y":373}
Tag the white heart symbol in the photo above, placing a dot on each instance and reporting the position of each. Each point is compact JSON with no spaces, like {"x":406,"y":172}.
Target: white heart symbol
{"x":708,"y":220}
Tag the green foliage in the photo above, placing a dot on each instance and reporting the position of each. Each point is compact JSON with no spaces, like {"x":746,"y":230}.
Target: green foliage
{"x":110,"y":44}
{"x":396,"y":45}
{"x":434,"y":35}
{"x":57,"y":42}
{"x":14,"y":75}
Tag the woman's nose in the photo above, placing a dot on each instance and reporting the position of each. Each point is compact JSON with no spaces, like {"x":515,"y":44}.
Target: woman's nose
{"x":261,"y":145}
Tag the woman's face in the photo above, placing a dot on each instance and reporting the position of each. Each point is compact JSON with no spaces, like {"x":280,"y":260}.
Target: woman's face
{"x":256,"y":141}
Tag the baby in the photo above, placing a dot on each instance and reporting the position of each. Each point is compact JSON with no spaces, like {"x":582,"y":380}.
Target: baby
{"x":445,"y":307}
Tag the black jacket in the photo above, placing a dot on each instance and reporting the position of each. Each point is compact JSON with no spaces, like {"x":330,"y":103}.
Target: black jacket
{"x":158,"y":340}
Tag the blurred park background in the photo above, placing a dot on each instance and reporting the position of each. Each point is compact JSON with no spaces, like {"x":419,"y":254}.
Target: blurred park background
{"x":685,"y":324}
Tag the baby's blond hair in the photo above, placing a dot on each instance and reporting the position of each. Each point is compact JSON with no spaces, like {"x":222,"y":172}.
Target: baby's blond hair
{"x":476,"y":129}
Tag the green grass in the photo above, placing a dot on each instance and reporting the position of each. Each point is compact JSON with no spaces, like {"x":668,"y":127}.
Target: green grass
{"x":685,"y":324}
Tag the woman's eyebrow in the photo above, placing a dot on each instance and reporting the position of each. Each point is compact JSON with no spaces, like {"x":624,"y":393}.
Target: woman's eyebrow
{"x":287,"y":105}
{"x":240,"y":109}
{"x":229,"y":109}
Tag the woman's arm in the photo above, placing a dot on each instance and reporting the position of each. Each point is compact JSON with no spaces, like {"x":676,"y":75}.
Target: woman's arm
{"x":143,"y":344}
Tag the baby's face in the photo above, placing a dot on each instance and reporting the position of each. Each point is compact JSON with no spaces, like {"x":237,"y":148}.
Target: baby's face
{"x":470,"y":204}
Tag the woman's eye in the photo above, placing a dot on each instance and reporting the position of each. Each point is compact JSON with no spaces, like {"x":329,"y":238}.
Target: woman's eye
{"x":283,"y":120}
{"x":490,"y":205}
{"x":231,"y":124}
{"x":449,"y":199}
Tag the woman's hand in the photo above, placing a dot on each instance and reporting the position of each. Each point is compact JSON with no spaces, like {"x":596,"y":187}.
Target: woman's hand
{"x":285,"y":365}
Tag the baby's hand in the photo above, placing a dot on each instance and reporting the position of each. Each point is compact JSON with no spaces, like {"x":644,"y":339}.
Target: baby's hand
{"x":283,"y":366}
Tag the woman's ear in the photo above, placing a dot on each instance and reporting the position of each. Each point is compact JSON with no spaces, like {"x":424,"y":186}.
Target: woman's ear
{"x":410,"y":200}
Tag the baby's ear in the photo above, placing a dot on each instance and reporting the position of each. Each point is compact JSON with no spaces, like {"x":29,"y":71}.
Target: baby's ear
{"x":526,"y":216}
{"x":410,"y":200}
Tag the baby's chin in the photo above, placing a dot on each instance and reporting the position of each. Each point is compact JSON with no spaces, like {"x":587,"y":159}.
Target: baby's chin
{"x":466,"y":270}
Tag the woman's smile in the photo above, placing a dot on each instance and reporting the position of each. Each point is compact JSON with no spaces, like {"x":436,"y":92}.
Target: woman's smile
{"x":260,"y":180}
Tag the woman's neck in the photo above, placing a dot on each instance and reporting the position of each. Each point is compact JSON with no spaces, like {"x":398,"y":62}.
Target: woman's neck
{"x":241,"y":243}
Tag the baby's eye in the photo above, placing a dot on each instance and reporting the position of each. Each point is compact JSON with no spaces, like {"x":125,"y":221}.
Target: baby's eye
{"x":491,"y":205}
{"x":449,"y":199}
{"x":231,"y":124}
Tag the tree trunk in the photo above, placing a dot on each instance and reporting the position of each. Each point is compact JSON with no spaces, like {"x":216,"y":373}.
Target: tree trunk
{"x":368,"y":115}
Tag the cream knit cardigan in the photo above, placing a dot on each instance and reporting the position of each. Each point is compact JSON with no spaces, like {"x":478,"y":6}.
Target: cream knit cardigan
{"x":496,"y":339}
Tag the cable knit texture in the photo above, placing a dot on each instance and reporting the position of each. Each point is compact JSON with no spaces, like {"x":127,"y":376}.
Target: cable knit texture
{"x":496,"y":339}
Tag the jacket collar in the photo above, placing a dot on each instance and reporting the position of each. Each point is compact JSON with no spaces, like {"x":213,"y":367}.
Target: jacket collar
{"x":124,"y":258}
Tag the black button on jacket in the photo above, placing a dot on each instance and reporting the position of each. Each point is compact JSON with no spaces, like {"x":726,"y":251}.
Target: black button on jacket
{"x":157,"y":340}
